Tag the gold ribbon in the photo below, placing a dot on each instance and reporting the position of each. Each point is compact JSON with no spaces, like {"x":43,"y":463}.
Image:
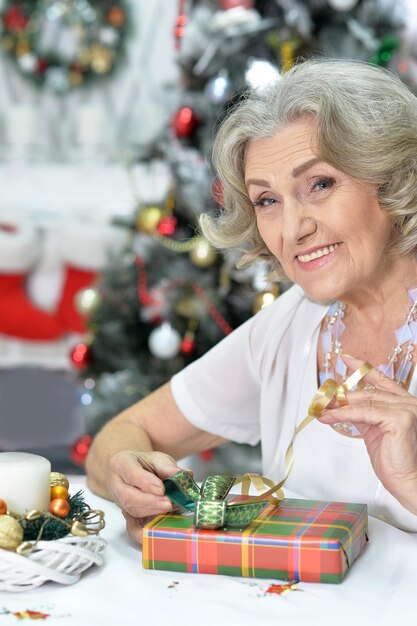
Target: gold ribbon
{"x":321,"y":400}
{"x":208,"y":504}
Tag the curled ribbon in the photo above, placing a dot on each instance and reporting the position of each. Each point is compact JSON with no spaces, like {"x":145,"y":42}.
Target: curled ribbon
{"x":208,"y":503}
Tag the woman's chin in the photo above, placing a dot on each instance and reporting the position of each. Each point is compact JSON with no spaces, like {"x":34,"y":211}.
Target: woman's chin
{"x":321,"y":295}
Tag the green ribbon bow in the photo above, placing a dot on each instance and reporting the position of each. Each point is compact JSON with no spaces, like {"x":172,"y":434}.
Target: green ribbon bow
{"x":208,"y":502}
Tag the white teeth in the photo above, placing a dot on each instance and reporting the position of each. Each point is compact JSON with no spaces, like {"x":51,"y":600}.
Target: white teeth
{"x":304,"y":258}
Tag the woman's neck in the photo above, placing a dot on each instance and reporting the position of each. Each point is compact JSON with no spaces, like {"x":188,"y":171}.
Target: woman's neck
{"x":385,"y":297}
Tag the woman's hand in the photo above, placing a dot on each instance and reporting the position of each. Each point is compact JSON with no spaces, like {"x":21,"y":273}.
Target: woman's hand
{"x":386,"y":416}
{"x":135,"y":483}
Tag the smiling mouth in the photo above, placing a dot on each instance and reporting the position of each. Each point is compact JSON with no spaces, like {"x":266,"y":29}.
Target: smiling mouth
{"x":317,"y":254}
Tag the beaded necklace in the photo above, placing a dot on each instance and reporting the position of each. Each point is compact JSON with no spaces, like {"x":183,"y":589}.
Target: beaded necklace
{"x":399,"y":363}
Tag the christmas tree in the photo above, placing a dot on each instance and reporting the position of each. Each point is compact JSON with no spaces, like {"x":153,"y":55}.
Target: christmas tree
{"x":171,"y":297}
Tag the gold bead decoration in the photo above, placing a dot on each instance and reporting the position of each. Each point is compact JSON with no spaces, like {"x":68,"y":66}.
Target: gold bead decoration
{"x":58,"y":479}
{"x":33,"y":515}
{"x":11,"y":533}
{"x":79,"y":529}
{"x":265,"y":298}
{"x":148,"y":219}
{"x":25,"y":548}
{"x":203,"y":254}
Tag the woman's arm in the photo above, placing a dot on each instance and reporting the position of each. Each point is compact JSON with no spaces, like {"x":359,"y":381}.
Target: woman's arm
{"x":136,"y":450}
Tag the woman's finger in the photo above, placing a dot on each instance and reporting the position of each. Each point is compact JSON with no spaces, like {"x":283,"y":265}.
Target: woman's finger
{"x":127,"y":466}
{"x":373,"y":394}
{"x":139,"y":503}
{"x":373,"y":413}
{"x":375,"y":378}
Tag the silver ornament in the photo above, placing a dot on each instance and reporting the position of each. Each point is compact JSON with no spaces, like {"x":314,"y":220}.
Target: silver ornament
{"x":164,"y":342}
{"x":260,"y":73}
{"x":218,"y":89}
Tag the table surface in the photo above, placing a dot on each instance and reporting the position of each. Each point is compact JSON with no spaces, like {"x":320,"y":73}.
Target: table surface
{"x":381,"y":588}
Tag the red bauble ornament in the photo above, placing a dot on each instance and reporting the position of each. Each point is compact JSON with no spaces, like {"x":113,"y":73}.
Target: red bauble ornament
{"x":80,"y":356}
{"x":167,"y":226}
{"x":3,"y":507}
{"x":187,"y":346}
{"x":79,"y":449}
{"x":232,"y":4}
{"x":206,"y":455}
{"x":184,"y":122}
{"x":15,"y":20}
{"x":42,"y":66}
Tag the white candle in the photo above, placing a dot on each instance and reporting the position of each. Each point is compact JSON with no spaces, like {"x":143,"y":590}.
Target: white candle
{"x":24,"y":481}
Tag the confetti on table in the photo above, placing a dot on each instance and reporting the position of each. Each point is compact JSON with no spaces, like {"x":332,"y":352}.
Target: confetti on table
{"x":28,"y":614}
{"x":173,"y":584}
{"x":281,"y":589}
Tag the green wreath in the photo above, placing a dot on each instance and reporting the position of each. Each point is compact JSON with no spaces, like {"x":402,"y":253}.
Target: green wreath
{"x":64,"y":44}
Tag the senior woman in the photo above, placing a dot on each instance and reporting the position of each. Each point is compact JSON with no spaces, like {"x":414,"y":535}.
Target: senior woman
{"x":320,"y":177}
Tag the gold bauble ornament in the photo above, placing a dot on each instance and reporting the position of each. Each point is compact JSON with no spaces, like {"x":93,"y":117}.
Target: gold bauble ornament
{"x":59,"y":491}
{"x":87,"y":300}
{"x":57,"y":478}
{"x":11,"y":533}
{"x":265,"y":298}
{"x":148,"y":219}
{"x":190,"y":306}
{"x":203,"y":254}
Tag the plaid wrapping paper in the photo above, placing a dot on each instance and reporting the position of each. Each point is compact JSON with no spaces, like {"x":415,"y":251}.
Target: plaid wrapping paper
{"x":307,"y":540}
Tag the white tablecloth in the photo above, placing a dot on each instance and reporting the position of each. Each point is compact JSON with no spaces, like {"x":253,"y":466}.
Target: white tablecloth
{"x":381,"y":588}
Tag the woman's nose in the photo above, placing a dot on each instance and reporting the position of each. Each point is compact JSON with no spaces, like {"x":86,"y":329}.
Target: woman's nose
{"x":297,"y":222}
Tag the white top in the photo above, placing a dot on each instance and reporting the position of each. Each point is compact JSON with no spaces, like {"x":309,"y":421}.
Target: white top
{"x":257,"y":384}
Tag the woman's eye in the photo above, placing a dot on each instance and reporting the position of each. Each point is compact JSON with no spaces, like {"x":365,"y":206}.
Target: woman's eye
{"x":263,"y":202}
{"x":323,"y":183}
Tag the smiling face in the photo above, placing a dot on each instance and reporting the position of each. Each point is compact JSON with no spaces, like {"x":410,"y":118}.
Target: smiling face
{"x":327,"y":229}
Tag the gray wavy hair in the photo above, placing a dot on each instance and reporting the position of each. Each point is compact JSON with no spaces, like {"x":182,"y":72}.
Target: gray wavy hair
{"x":366,"y":127}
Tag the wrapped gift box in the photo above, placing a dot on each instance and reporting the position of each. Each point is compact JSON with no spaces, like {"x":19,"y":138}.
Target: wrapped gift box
{"x":305,"y":540}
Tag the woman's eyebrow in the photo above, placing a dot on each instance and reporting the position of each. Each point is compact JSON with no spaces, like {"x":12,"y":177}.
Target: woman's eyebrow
{"x":296,"y":172}
{"x":305,"y":166}
{"x":258,"y":181}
